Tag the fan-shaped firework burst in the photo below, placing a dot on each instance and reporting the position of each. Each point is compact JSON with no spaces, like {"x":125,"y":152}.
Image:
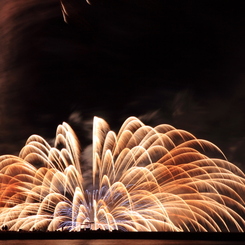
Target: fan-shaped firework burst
{"x":144,"y":179}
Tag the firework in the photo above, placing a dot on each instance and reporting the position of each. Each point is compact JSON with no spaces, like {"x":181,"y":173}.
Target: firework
{"x":143,"y":179}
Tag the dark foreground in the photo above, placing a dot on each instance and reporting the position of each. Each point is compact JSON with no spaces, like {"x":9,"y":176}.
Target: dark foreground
{"x":217,"y":236}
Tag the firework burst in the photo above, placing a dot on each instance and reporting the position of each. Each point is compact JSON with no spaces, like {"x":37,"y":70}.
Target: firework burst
{"x":143,"y":178}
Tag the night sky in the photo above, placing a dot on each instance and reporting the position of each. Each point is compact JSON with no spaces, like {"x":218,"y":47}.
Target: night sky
{"x":176,"y":62}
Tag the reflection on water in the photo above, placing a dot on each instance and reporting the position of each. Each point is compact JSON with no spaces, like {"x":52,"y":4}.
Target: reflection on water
{"x":116,"y":242}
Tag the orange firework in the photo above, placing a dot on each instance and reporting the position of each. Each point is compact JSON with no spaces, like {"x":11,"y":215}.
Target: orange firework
{"x":143,"y":178}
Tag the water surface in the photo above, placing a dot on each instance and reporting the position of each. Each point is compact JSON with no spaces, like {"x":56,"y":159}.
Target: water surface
{"x":117,"y":242}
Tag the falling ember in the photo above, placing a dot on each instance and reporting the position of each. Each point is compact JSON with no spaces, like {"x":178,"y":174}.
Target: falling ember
{"x":144,"y":179}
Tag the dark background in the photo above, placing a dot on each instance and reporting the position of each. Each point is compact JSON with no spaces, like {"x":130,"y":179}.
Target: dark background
{"x":176,"y":62}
